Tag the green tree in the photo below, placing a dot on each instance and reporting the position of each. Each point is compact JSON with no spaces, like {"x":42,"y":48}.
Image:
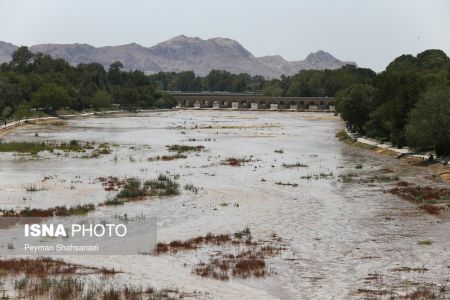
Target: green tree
{"x":20,"y":59}
{"x":355,"y":105}
{"x":101,"y":99}
{"x":51,"y":96}
{"x":115,"y":74}
{"x":429,"y":125}
{"x":432,"y":59}
{"x":23,"y":110}
{"x":273,"y":90}
{"x":6,"y":113}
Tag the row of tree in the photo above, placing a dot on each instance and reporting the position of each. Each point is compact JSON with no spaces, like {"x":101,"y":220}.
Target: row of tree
{"x":407,"y":104}
{"x":306,"y":83}
{"x":39,"y":82}
{"x":216,"y":80}
{"x":35,"y":81}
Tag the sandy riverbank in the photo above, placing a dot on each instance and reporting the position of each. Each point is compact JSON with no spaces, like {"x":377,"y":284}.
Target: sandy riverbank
{"x":438,"y":168}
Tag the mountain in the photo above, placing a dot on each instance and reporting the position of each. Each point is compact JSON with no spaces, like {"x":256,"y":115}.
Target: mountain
{"x":183,"y":53}
{"x":6,"y":49}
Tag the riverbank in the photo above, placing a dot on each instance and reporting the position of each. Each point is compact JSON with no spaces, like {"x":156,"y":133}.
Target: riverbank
{"x":8,"y":127}
{"x":420,"y":160}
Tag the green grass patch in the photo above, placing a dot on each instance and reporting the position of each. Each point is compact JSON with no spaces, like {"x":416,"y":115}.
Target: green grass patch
{"x":25,"y":147}
{"x":318,"y":176}
{"x":134,"y":189}
{"x":34,"y":148}
{"x":185,"y":148}
{"x":168,"y":157}
{"x":191,"y":187}
{"x":295,"y":165}
{"x":58,"y":211}
{"x":425,"y":242}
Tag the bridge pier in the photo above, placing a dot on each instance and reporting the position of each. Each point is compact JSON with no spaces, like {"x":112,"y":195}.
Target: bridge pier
{"x":293,"y":107}
{"x":254,"y":105}
{"x":234,"y":105}
{"x":273,"y":106}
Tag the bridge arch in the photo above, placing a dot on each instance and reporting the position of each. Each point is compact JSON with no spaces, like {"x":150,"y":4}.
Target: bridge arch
{"x":311,"y":105}
{"x":243,"y":104}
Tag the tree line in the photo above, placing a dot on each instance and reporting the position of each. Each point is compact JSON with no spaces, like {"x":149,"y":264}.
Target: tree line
{"x":37,"y":82}
{"x":33,"y":82}
{"x":304,"y":84}
{"x":408,"y":104}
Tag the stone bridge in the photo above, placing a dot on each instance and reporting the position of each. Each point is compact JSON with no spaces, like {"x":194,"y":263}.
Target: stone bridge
{"x":242,"y":101}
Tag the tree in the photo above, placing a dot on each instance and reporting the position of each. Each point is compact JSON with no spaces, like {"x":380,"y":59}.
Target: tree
{"x":51,"y":96}
{"x":101,"y":99}
{"x":355,"y":104}
{"x":115,"y":73}
{"x":273,"y":90}
{"x":432,"y":59}
{"x":218,"y":80}
{"x":23,"y":110}
{"x":429,"y":125}
{"x":20,"y":59}
{"x":7,"y":111}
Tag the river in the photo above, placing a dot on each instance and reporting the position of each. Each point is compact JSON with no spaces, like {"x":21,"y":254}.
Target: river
{"x":342,"y":239}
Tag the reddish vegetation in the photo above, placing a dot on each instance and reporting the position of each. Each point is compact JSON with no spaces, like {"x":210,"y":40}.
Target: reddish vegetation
{"x":172,"y":157}
{"x":248,"y":262}
{"x":252,"y":266}
{"x":433,"y":200}
{"x":46,"y":278}
{"x":420,"y":294}
{"x":431,"y":209}
{"x":47,"y":266}
{"x":241,"y":266}
{"x":234,"y":162}
{"x":192,"y":243}
{"x":111,"y":183}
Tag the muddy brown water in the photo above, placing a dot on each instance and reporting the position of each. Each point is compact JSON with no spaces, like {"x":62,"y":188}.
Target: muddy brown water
{"x":340,"y":237}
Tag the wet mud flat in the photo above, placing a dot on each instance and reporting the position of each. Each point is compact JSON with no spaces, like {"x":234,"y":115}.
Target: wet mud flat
{"x":322,"y":219}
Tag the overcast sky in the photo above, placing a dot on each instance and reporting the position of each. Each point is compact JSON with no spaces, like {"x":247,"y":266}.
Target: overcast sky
{"x":370,"y":33}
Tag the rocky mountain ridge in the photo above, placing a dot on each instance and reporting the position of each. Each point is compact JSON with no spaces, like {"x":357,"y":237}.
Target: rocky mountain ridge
{"x":183,"y":53}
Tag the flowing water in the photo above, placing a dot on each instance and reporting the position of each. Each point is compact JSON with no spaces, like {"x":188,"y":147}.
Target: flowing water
{"x":341,"y":238}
